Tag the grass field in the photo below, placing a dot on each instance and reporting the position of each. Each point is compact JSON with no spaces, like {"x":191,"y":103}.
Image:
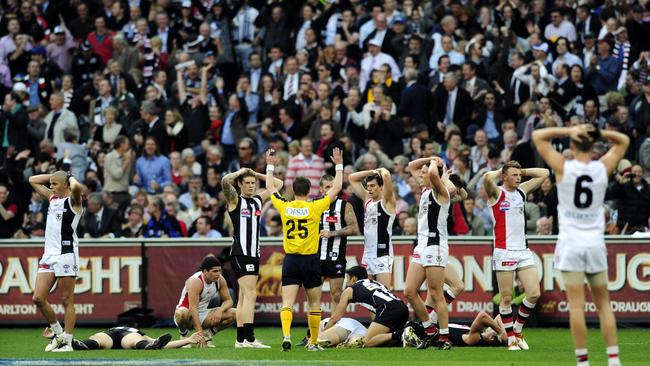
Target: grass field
{"x":548,"y":347}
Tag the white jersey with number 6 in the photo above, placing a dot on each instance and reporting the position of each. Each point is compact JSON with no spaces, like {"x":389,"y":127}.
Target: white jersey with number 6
{"x":581,"y":194}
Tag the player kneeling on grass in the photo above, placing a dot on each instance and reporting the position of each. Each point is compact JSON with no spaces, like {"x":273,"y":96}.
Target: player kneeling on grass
{"x":483,"y":332}
{"x":192,"y":311}
{"x":126,"y":338}
{"x":346,"y":331}
{"x":391,"y":314}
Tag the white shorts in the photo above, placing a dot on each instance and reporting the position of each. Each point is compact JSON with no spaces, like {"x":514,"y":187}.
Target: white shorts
{"x":378,"y":265}
{"x":431,"y":256}
{"x":511,"y":260}
{"x":63,"y":265}
{"x":353,"y":326}
{"x":589,"y":260}
{"x":203,"y":313}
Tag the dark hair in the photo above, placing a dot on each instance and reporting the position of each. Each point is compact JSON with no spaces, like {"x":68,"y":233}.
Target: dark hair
{"x":208,"y":220}
{"x":357,"y":271}
{"x":325,"y":178}
{"x":374,"y":176}
{"x":510,"y":164}
{"x":246,"y":174}
{"x":471,"y":65}
{"x":586,"y":144}
{"x":493,"y":152}
{"x":119,"y":141}
{"x":209,"y":262}
{"x":457,"y":180}
{"x":301,"y":186}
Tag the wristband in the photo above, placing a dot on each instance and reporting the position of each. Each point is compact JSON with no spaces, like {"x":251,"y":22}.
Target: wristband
{"x":270,"y":168}
{"x":339,"y":167}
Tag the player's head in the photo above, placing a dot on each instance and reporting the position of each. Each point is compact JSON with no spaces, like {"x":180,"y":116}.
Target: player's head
{"x":301,"y":187}
{"x":586,"y":143}
{"x":355,"y":274}
{"x":511,"y":174}
{"x":326,"y":183}
{"x":60,"y":183}
{"x":211,"y":268}
{"x":247,"y":183}
{"x":374,"y":184}
{"x":454,"y":184}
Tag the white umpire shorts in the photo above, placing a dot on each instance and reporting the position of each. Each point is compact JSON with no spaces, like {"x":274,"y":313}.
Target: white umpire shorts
{"x":587,"y":259}
{"x":511,"y":260}
{"x":379,"y":265}
{"x":431,"y":256}
{"x":63,"y":265}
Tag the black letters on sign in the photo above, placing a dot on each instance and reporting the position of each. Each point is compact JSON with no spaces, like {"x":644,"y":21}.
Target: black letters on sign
{"x":583,"y":192}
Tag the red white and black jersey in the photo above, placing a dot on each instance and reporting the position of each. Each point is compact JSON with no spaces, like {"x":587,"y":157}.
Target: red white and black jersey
{"x":432,"y":220}
{"x":333,"y":249}
{"x":246,"y":226}
{"x":509,"y":220}
{"x":208,"y":291}
{"x":61,"y":227}
{"x":378,"y":230}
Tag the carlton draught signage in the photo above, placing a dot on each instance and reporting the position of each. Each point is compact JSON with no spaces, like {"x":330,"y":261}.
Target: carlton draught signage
{"x":111,"y":277}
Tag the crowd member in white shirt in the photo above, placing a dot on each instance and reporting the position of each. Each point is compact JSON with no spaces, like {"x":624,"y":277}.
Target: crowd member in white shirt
{"x":559,"y":27}
{"x":374,"y":60}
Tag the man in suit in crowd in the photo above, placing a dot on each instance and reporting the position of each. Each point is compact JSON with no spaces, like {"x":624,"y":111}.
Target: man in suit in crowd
{"x":414,"y":99}
{"x":450,"y":105}
{"x":100,"y":221}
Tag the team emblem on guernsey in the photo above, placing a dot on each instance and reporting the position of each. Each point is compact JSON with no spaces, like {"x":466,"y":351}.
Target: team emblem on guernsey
{"x":258,"y":213}
{"x":504,"y":206}
{"x":331,"y":219}
{"x":245,"y":212}
{"x":59,"y":216}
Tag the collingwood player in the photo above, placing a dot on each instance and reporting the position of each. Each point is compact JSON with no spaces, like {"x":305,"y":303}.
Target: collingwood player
{"x":510,"y":254}
{"x":192,"y":311}
{"x":301,"y":266}
{"x":126,"y":338}
{"x":336,"y":225}
{"x":60,"y":261}
{"x":431,"y":254}
{"x":245,"y":210}
{"x":580,"y":252}
{"x":391,"y":314}
{"x":375,"y":188}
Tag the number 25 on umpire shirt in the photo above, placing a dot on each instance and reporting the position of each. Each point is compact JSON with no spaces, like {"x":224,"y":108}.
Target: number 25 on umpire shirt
{"x":300,"y":220}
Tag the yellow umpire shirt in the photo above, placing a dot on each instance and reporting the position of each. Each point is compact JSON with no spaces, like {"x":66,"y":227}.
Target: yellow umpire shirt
{"x":300,"y":223}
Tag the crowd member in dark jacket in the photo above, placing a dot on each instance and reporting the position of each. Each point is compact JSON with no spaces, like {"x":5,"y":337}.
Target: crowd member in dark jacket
{"x":386,"y":129}
{"x":13,"y":124}
{"x":633,"y":194}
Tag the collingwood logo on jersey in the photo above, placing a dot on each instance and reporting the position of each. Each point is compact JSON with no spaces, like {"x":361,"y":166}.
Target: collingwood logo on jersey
{"x":297,"y":212}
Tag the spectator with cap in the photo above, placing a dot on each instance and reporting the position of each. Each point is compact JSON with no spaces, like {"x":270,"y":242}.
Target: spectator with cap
{"x":604,"y":69}
{"x":374,"y":60}
{"x":85,"y":64}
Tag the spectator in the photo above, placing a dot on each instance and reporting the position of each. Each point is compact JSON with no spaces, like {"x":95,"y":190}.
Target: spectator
{"x":101,"y":39}
{"x":385,"y":128}
{"x":99,"y":221}
{"x":8,"y":212}
{"x":204,"y":228}
{"x":374,"y":60}
{"x":633,"y":194}
{"x":414,"y":99}
{"x":111,"y":129}
{"x":13,"y":124}
{"x":604,"y":69}
{"x":72,"y":154}
{"x":161,"y":225}
{"x":477,"y":227}
{"x":450,"y":105}
{"x":559,"y":27}
{"x":118,"y":168}
{"x":544,"y":226}
{"x":306,"y":164}
{"x":153,"y":171}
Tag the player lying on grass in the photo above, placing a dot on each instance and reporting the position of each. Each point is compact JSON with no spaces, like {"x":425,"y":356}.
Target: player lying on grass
{"x":125,"y":338}
{"x":346,"y":331}
{"x":483,"y":332}
{"x":192,"y":311}
{"x":391,"y":314}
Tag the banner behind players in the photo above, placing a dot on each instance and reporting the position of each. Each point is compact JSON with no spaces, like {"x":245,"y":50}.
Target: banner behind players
{"x":111,"y":278}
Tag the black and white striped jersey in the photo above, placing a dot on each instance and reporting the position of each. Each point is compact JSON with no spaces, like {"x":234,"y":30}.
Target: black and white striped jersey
{"x":333,"y":249}
{"x":371,"y":294}
{"x":246,"y":226}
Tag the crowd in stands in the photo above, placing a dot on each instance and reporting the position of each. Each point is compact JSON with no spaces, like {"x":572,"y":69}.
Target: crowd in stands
{"x":150,"y":103}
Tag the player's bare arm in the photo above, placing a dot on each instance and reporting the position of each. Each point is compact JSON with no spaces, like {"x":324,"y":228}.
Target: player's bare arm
{"x":194,"y":289}
{"x":436,"y":181}
{"x":489,"y":181}
{"x":356,"y":180}
{"x":337,"y":184}
{"x":227,"y":302}
{"x":351,"y":227}
{"x":389,"y":191}
{"x":460,"y":196}
{"x":616,"y":152}
{"x":76,"y":189}
{"x":193,"y":339}
{"x":38,"y":183}
{"x":415,"y":168}
{"x":537,"y":174}
{"x":228,"y":187}
{"x":542,"y":140}
{"x":271,"y":161}
{"x":262,"y":177}
{"x":340,"y":308}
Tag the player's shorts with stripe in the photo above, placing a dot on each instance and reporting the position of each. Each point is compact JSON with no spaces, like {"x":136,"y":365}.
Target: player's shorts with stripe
{"x":374,"y":266}
{"x":587,"y":259}
{"x":63,"y":265}
{"x":393,"y":315}
{"x":431,"y":256}
{"x":333,"y":269}
{"x":245,"y":266}
{"x":302,"y":270}
{"x":511,"y":260}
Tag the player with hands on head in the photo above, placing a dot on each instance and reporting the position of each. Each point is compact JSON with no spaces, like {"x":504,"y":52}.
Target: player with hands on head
{"x":59,"y":264}
{"x":580,"y":253}
{"x":300,"y":224}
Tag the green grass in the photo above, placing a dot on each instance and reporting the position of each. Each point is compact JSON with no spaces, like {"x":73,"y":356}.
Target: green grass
{"x":548,"y":347}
